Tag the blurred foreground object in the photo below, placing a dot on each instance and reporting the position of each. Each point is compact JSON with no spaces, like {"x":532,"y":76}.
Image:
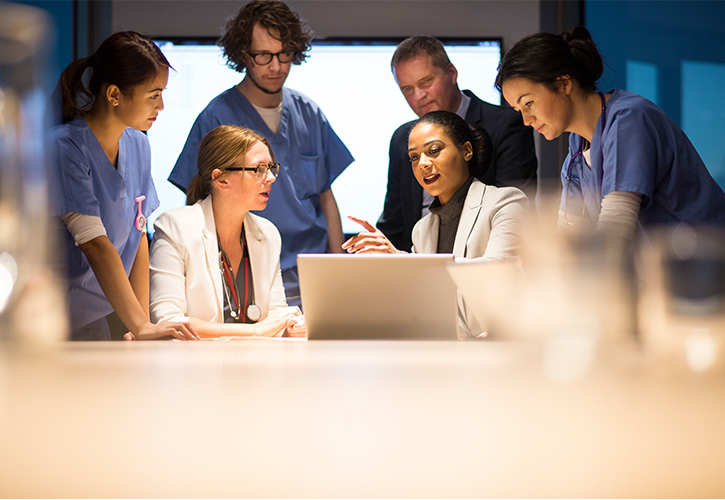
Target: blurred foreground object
{"x":31,"y":301}
{"x":571,"y":292}
{"x":682,"y":303}
{"x":565,"y":281}
{"x":351,"y":419}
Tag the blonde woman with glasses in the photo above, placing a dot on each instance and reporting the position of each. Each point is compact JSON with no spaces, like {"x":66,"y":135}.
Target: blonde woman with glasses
{"x":213,"y":263}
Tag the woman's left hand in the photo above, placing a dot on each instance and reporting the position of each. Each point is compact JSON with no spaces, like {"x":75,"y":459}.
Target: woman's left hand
{"x":180,"y":330}
{"x":372,"y":241}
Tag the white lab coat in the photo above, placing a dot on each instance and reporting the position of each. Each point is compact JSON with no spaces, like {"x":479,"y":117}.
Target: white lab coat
{"x":184,"y":262}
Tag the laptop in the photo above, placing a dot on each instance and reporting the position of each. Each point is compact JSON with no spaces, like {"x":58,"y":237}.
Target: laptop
{"x":402,"y":296}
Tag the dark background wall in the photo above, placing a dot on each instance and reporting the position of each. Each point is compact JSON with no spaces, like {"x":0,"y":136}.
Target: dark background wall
{"x":62,"y":13}
{"x":681,"y":45}
{"x":506,"y":19}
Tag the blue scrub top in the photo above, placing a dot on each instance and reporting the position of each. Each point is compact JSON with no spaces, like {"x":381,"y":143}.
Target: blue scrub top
{"x":311,"y":156}
{"x":87,"y":183}
{"x":639,"y":149}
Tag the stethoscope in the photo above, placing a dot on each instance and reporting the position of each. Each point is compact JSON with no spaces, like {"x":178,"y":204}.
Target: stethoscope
{"x":580,"y":153}
{"x":231,"y":290}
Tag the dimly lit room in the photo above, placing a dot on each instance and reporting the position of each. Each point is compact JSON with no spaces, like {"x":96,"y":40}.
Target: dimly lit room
{"x":362,"y":249}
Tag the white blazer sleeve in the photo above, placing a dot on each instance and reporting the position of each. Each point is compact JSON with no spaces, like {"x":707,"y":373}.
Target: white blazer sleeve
{"x":167,"y":263}
{"x":506,"y":216}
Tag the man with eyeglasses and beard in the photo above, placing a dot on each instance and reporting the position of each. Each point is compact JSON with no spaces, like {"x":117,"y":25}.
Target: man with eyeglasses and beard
{"x":263,"y":41}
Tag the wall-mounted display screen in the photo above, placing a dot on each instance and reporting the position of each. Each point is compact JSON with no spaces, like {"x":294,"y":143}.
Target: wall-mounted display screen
{"x":350,"y":80}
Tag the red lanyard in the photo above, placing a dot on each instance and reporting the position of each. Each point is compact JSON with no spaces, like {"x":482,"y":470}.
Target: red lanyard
{"x":230,"y":283}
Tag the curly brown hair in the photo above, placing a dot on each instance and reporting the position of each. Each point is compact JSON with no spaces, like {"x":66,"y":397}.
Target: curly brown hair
{"x":294,"y":33}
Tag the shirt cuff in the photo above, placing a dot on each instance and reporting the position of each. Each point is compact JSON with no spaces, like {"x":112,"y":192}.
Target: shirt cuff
{"x":83,"y":228}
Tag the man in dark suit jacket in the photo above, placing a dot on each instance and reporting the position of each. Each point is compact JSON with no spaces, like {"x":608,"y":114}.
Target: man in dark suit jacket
{"x":428,"y":82}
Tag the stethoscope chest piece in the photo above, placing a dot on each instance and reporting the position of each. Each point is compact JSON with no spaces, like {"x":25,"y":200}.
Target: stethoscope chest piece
{"x":254,"y":312}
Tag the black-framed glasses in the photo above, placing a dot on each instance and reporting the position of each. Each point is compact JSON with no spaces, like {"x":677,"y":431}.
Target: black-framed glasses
{"x":264,"y":58}
{"x":260,"y":171}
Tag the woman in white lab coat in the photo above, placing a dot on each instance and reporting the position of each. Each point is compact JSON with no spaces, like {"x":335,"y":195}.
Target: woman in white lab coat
{"x":213,"y":263}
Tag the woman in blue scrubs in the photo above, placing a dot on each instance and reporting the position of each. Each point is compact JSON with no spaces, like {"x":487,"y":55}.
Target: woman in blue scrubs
{"x":105,"y":191}
{"x":628,"y":162}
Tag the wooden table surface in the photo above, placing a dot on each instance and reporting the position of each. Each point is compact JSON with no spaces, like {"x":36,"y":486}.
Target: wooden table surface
{"x":355,"y":419}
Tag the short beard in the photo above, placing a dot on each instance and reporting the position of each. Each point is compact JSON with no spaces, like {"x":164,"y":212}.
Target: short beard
{"x":266,"y":91}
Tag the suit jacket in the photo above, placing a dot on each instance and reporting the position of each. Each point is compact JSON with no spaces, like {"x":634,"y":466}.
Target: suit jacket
{"x":513,"y":164}
{"x":184,"y":262}
{"x":489,"y":230}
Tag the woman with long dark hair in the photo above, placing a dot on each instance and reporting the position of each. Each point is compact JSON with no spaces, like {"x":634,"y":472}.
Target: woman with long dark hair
{"x":105,"y":191}
{"x":468,"y":218}
{"x":628,"y":162}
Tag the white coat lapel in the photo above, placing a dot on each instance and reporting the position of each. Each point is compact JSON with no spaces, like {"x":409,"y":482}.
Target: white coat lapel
{"x":211,"y":253}
{"x":430,"y":226}
{"x":259,"y":261}
{"x":469,"y":215}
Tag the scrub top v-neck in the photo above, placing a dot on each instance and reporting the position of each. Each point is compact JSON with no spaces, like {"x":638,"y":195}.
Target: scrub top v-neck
{"x":87,"y":183}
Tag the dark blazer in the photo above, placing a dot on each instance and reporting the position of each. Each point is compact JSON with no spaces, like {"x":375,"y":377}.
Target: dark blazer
{"x":513,"y":164}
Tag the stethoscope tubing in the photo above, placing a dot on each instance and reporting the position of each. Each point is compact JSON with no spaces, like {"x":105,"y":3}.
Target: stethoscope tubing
{"x":253,"y":312}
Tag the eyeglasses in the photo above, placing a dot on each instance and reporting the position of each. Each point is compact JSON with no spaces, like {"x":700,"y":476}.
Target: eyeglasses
{"x":260,"y":171}
{"x":264,"y":58}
